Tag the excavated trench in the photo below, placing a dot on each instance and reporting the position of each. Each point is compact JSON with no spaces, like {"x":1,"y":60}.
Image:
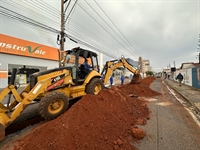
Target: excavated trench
{"x":17,"y":126}
{"x":29,"y":117}
{"x":107,"y":120}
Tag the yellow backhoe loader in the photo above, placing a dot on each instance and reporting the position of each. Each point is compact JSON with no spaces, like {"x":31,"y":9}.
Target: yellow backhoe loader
{"x":55,"y":87}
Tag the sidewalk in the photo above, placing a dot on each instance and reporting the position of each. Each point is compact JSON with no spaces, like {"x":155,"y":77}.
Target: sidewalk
{"x":191,"y":94}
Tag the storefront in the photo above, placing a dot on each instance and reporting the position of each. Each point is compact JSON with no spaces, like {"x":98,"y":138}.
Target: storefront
{"x":28,"y":57}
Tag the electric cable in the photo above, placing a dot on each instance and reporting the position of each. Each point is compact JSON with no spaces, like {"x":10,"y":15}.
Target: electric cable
{"x":34,"y":13}
{"x":106,"y":24}
{"x":116,"y":27}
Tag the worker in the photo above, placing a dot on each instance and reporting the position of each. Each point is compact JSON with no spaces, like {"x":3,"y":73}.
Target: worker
{"x":87,"y":66}
{"x":111,"y":80}
{"x":102,"y":77}
{"x":131,"y":77}
{"x":122,"y":79}
{"x":179,"y":78}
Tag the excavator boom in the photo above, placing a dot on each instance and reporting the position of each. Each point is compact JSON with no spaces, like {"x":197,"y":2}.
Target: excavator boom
{"x":110,"y":66}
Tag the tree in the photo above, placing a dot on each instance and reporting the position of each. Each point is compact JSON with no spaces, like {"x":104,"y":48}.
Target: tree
{"x":149,"y":73}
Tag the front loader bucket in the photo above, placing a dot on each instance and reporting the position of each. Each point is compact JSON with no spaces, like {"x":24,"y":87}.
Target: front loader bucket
{"x":136,"y":79}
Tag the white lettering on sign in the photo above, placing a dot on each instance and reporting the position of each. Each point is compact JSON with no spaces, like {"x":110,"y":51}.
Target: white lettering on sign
{"x":21,"y":48}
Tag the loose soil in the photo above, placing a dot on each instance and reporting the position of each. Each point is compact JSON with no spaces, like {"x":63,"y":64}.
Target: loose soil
{"x":105,"y":121}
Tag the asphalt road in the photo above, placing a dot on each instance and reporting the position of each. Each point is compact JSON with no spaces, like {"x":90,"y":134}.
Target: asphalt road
{"x":171,"y":126}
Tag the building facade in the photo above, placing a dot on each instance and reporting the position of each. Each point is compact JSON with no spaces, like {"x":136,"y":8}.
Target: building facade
{"x":144,"y":66}
{"x":28,"y":57}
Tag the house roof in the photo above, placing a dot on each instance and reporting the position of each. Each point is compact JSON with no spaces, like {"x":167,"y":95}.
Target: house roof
{"x":189,"y":65}
{"x":196,"y":64}
{"x":184,"y":66}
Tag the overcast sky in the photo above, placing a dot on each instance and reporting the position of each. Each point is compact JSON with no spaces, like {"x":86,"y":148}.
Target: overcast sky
{"x":161,"y":31}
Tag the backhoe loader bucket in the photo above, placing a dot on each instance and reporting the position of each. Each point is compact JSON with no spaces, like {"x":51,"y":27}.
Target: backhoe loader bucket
{"x":136,"y":79}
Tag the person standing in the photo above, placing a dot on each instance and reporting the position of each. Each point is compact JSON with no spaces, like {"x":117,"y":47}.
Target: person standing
{"x":179,"y":78}
{"x":111,"y":80}
{"x":131,"y":77}
{"x":122,"y":79}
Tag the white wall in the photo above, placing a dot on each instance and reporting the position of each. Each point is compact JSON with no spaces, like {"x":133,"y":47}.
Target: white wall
{"x":187,"y":76}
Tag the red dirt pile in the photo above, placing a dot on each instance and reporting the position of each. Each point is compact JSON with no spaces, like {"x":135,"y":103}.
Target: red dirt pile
{"x":142,"y":89}
{"x":96,"y":122}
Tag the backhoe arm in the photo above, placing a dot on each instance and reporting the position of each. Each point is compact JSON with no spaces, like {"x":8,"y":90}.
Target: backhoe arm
{"x":110,"y":66}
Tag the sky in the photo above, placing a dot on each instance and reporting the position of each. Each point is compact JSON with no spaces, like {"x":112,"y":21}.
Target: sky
{"x":165,"y":32}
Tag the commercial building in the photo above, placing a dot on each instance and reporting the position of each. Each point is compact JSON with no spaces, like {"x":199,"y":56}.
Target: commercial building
{"x":144,"y":66}
{"x":28,"y":57}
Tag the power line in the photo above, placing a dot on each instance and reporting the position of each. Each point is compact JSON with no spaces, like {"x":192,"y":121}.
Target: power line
{"x":85,"y":31}
{"x":116,"y":27}
{"x":106,"y":23}
{"x":9,"y":13}
{"x":89,"y":40}
{"x":17,"y":16}
{"x":34,"y":13}
{"x":88,"y":45}
{"x":69,"y":20}
{"x":43,"y":8}
{"x":49,"y":6}
{"x":101,"y":25}
{"x":70,"y":11}
{"x":32,"y":22}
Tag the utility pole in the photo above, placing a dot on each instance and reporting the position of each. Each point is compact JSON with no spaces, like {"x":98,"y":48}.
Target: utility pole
{"x":198,"y":56}
{"x":199,"y":49}
{"x":61,"y":37}
{"x":62,"y":33}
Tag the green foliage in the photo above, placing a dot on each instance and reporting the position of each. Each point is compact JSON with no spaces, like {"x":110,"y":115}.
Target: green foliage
{"x":150,"y":73}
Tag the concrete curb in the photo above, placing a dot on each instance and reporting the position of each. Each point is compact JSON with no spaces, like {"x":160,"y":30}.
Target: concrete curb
{"x":178,"y":92}
{"x":195,"y":109}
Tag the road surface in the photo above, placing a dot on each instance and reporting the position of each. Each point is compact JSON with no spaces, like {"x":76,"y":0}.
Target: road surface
{"x":171,"y":126}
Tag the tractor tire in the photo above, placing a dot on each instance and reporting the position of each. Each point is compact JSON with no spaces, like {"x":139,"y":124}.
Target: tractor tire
{"x":94,"y":86}
{"x":53,"y":105}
